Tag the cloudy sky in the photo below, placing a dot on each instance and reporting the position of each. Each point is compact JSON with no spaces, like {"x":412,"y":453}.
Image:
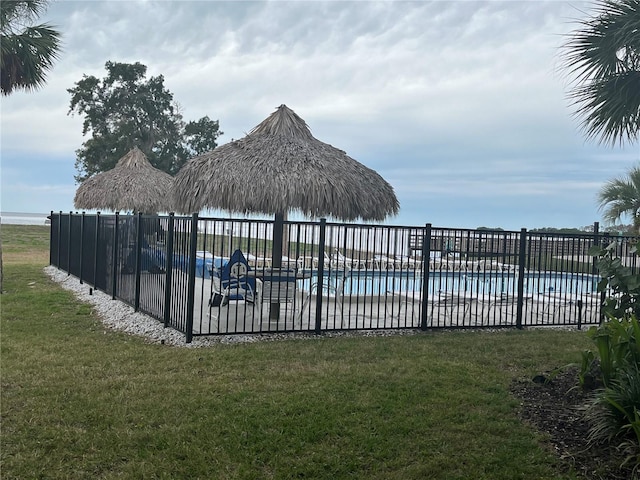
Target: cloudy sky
{"x":460,"y":105}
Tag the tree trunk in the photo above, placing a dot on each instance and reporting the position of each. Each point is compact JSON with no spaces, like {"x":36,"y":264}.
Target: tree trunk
{"x":285,"y":235}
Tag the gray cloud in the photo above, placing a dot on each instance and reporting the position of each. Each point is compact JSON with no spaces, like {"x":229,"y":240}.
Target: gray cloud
{"x":447,"y":100}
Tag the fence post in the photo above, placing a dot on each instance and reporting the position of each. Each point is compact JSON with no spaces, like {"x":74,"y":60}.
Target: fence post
{"x":96,"y":246}
{"x":320,"y":282}
{"x":81,"y":247}
{"x":139,"y":236}
{"x":51,"y":240}
{"x":278,"y":233}
{"x":595,"y":270}
{"x":69,"y":244}
{"x":114,"y":267}
{"x":193,"y":244}
{"x":522,"y":258}
{"x":59,"y":234}
{"x":596,"y":241}
{"x":168,"y":265}
{"x":426,"y":264}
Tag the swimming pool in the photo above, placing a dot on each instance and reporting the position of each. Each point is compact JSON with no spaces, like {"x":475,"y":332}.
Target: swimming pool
{"x":374,"y":283}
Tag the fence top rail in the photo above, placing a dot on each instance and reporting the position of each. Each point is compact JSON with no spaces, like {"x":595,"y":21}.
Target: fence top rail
{"x":416,"y":231}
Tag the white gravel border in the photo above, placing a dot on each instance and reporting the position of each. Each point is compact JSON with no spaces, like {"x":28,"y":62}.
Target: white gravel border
{"x":117,"y":315}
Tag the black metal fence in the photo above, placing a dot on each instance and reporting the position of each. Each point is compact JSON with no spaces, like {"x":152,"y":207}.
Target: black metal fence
{"x":331,"y":276}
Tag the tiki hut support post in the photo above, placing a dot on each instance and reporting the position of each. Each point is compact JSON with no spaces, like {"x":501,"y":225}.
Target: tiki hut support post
{"x":322,"y":241}
{"x":276,"y":258}
{"x":278,"y":234}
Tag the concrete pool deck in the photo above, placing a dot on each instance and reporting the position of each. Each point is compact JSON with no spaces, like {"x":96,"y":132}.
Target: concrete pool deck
{"x":350,"y":312}
{"x":386,"y":312}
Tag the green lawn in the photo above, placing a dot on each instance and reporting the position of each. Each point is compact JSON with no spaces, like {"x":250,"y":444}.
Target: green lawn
{"x":80,"y":401}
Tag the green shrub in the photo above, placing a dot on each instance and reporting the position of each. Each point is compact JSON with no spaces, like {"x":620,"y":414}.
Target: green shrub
{"x":618,"y":281}
{"x":614,"y":411}
{"x":618,"y":350}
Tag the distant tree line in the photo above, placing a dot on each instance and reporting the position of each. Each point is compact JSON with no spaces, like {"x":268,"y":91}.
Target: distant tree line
{"x":560,"y":230}
{"x":625,"y":230}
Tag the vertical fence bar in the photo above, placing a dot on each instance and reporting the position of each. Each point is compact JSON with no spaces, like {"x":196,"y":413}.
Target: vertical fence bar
{"x":320,"y":284}
{"x":522,"y":249}
{"x":193,"y":241}
{"x":81,"y":246}
{"x":169,"y":272}
{"x":426,"y":266}
{"x":139,"y":236}
{"x":96,"y":244}
{"x":114,"y":267}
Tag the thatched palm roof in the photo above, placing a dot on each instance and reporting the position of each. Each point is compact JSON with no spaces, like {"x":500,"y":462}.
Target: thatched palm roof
{"x":133,"y":184}
{"x":279,"y":167}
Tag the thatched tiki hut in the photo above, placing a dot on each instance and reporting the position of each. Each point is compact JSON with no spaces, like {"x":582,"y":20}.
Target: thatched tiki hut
{"x":133,"y":184}
{"x":280,"y":167}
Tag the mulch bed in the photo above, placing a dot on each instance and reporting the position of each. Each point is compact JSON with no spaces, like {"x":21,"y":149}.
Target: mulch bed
{"x":551,"y":404}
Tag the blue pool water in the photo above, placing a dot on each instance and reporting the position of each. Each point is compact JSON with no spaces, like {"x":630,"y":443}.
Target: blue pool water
{"x":490,"y":283}
{"x":376,"y":282}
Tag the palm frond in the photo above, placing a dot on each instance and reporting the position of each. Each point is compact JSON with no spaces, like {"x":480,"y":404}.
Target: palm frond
{"x":603,"y":56}
{"x":620,"y":197}
{"x":27,"y":52}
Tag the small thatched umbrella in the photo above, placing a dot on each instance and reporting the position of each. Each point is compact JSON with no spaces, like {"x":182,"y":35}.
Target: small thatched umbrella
{"x":133,"y":184}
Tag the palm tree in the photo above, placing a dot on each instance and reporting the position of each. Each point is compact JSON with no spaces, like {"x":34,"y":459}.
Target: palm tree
{"x":621,"y":197}
{"x":28,"y":51}
{"x":603,"y":55}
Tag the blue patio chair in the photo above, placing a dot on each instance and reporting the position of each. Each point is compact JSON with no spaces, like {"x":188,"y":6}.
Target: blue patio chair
{"x":234,"y":282}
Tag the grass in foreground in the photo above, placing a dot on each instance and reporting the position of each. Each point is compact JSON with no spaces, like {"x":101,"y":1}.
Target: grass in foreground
{"x":79,"y":401}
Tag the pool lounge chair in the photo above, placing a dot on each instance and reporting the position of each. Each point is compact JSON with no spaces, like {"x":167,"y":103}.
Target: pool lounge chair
{"x":382,"y":262}
{"x":495,"y":266}
{"x":308,"y":262}
{"x":267,"y":262}
{"x":258,"y":262}
{"x":555,"y":305}
{"x":406,"y":263}
{"x":332,"y":290}
{"x":410,"y":303}
{"x":339,"y":261}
